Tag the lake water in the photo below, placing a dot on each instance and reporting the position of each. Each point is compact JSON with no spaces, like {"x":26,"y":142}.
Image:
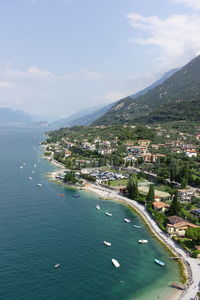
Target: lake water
{"x":39,"y":229}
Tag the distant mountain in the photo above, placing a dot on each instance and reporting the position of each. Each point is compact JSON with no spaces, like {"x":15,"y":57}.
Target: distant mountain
{"x":177,"y":98}
{"x":12,"y":117}
{"x":84,"y":117}
{"x":158,"y":82}
{"x":87,"y":116}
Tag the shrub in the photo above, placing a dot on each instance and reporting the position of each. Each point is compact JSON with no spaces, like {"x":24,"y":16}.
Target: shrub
{"x":195,"y":253}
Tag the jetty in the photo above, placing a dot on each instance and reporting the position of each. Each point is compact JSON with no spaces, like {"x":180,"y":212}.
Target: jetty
{"x":178,"y":286}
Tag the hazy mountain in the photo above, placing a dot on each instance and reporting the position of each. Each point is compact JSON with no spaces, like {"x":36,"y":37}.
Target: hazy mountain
{"x":12,"y":117}
{"x":177,"y":98}
{"x":159,"y":81}
{"x":83,"y":117}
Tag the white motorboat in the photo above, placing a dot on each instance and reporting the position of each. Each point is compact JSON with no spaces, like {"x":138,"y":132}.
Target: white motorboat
{"x":30,"y":178}
{"x":108,"y":214}
{"x":136,"y":226}
{"x":143,"y":241}
{"x":21,"y":167}
{"x":159,"y":262}
{"x":33,"y":171}
{"x":57,"y":265}
{"x":107,"y":243}
{"x":115,"y":263}
{"x":34,"y":165}
{"x":39,"y":184}
{"x":127,"y":220}
{"x":98,"y":207}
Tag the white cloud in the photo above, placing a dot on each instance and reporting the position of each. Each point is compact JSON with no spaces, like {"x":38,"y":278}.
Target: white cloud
{"x":32,"y":72}
{"x":177,"y":37}
{"x":195,"y":4}
{"x":116,"y":95}
{"x":7,"y":84}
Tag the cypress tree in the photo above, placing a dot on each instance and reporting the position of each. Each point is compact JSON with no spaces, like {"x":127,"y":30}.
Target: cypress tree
{"x":151,"y":193}
{"x":136,"y":192}
{"x":175,"y":205}
{"x":129,"y":188}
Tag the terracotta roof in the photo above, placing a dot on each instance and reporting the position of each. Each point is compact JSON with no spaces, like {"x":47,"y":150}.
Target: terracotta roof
{"x":160,"y":205}
{"x":68,"y":152}
{"x":181,"y":224}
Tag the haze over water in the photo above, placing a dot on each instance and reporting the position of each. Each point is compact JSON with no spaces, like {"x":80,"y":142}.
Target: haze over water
{"x":39,"y":229}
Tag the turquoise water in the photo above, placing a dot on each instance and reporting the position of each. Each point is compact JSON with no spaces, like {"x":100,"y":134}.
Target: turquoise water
{"x":39,"y":229}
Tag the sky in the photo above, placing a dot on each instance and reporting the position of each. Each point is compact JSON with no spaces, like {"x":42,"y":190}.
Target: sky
{"x":60,"y":56}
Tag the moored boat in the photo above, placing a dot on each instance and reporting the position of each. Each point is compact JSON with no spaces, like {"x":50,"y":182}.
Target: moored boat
{"x":30,"y":178}
{"x":107,"y":243}
{"x":115,"y":263}
{"x":136,"y":226}
{"x":76,"y":195}
{"x":143,"y":241}
{"x":108,"y":214}
{"x":159,"y":262}
{"x":127,"y":220}
{"x":39,"y":184}
{"x":98,"y":207}
{"x":57,"y":265}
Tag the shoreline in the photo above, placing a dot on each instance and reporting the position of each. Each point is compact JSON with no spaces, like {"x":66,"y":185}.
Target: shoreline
{"x":189,"y":267}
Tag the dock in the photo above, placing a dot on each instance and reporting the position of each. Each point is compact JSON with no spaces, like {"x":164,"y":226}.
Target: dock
{"x":178,"y":286}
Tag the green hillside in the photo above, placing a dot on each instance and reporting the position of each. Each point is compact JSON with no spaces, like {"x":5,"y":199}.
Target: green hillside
{"x":178,"y":98}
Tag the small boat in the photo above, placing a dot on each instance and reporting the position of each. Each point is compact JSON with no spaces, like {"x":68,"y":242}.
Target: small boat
{"x":127,"y":220}
{"x":115,"y":263}
{"x":98,"y":207}
{"x":61,"y":195}
{"x":107,"y":243}
{"x":21,"y":167}
{"x":76,"y":195}
{"x":136,"y":226}
{"x":57,"y":265}
{"x":108,"y":214}
{"x":159,"y":262}
{"x":39,"y":184}
{"x":33,"y":171}
{"x":35,"y":165}
{"x":143,"y":241}
{"x":30,"y":178}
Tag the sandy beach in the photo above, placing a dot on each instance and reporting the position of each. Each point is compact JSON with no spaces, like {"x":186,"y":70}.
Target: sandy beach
{"x":191,"y":266}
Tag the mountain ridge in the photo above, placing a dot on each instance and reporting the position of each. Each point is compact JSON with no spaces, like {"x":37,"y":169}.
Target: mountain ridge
{"x":180,"y":90}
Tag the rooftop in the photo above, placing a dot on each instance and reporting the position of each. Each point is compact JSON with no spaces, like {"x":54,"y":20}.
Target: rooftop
{"x":175,"y":219}
{"x":160,"y":205}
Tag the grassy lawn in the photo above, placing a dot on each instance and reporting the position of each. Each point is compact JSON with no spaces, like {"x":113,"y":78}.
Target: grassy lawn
{"x":163,"y":188}
{"x":124,"y":182}
{"x":119,"y":182}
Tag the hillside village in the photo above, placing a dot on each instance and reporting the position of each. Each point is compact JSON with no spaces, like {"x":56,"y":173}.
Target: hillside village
{"x":158,"y":166}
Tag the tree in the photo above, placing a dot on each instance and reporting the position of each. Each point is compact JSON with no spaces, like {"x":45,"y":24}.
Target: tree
{"x":193,"y":233}
{"x":175,"y":205}
{"x":70,"y":177}
{"x":151,"y":194}
{"x":132,"y":189}
{"x":136,"y":192}
{"x":129,"y":188}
